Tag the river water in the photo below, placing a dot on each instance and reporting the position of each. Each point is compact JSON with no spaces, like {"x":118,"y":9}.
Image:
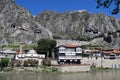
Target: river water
{"x":109,"y":75}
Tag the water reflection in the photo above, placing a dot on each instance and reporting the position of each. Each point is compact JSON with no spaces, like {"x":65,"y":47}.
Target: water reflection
{"x":110,"y":75}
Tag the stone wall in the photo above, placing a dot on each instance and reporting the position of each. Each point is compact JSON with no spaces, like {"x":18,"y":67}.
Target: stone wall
{"x":73,"y":68}
{"x":106,"y":63}
{"x":96,"y":41}
{"x":74,"y":42}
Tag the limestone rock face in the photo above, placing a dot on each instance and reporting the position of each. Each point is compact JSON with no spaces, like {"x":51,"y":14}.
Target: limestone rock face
{"x":77,"y":24}
{"x":17,"y":24}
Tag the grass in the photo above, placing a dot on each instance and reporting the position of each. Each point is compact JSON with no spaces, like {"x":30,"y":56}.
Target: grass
{"x":100,"y":69}
{"x":103,"y":69}
{"x":50,"y":69}
{"x":7,"y":69}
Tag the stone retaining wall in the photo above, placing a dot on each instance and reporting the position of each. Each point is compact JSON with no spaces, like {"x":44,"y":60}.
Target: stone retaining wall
{"x":106,"y":63}
{"x":73,"y":68}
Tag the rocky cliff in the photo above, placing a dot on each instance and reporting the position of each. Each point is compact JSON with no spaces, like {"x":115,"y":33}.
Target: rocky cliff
{"x":17,"y":24}
{"x":81,"y":25}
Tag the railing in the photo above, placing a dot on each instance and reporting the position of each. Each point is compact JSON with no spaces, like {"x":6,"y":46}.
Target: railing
{"x":78,"y":51}
{"x":68,"y":52}
{"x":31,"y":56}
{"x":70,"y":57}
{"x":78,"y":57}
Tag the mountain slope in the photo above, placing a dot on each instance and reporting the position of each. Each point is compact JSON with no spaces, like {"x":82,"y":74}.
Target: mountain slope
{"x":17,"y":24}
{"x":78,"y":22}
{"x":81,"y":25}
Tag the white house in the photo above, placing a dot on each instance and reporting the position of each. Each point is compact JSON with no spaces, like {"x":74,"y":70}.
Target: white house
{"x":68,"y":54}
{"x":7,"y":54}
{"x":31,"y":54}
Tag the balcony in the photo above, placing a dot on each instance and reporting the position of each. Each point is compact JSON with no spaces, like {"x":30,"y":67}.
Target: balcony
{"x":62,"y":57}
{"x":62,"y":52}
{"x":70,"y":57}
{"x":78,"y":51}
{"x":78,"y":57}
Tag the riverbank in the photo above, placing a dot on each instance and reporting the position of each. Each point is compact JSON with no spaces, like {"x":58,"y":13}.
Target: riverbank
{"x":30,"y":69}
{"x":58,"y":69}
{"x":73,"y":68}
{"x":87,"y":64}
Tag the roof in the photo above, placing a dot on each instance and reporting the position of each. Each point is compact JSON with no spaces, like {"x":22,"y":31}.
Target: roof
{"x":95,"y":50}
{"x":8,"y":51}
{"x":111,"y":51}
{"x":92,"y":51}
{"x":31,"y":52}
{"x":69,"y":46}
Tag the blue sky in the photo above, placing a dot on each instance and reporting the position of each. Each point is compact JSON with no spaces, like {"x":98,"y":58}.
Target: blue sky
{"x":37,"y":6}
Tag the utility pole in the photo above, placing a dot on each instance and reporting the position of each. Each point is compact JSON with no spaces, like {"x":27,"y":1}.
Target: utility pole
{"x":21,"y":47}
{"x":101,"y":57}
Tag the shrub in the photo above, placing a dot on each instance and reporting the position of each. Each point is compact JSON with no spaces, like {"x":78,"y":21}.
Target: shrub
{"x":93,"y":66}
{"x":19,"y":64}
{"x":83,"y":38}
{"x":54,"y":69}
{"x":46,"y":62}
{"x":4,"y":62}
{"x":31,"y":63}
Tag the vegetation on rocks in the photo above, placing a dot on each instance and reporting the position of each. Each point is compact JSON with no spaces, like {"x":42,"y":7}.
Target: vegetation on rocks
{"x":17,"y":46}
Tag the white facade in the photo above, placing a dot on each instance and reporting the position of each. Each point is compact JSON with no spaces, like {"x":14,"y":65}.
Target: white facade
{"x":68,"y":53}
{"x":7,"y":54}
{"x":30,"y":55}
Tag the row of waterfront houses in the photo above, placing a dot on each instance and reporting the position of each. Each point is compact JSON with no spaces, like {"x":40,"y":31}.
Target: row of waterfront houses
{"x":64,"y":54}
{"x":74,"y":53}
{"x":15,"y":55}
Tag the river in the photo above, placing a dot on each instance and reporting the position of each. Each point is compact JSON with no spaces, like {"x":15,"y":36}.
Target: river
{"x":109,"y":75}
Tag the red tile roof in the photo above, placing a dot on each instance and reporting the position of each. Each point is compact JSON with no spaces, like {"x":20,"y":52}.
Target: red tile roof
{"x":91,"y":51}
{"x":111,"y":51}
{"x":71,"y":46}
{"x":95,"y":50}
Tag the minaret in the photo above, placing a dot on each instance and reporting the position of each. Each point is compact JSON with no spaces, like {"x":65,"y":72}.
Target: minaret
{"x":21,"y":47}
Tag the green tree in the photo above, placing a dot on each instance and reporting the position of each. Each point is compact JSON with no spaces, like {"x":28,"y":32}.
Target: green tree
{"x":46,"y":46}
{"x":108,"y":3}
{"x":4,"y":62}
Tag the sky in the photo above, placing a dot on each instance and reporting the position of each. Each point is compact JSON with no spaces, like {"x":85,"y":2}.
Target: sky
{"x":37,"y":6}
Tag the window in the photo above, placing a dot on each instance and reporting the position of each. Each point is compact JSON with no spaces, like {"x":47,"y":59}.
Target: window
{"x":61,"y":54}
{"x":78,"y":54}
{"x":78,"y":49}
{"x":61,"y":49}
